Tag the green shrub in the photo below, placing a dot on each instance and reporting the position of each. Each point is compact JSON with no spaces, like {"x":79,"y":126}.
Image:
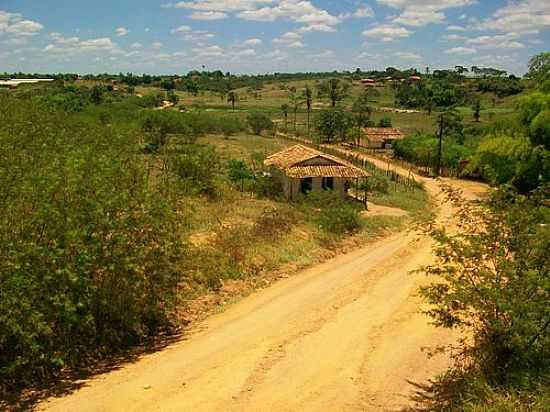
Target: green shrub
{"x":90,"y":254}
{"x":332,"y":214}
{"x":385,"y":122}
{"x":239,"y":172}
{"x":197,"y":167}
{"x":259,"y":122}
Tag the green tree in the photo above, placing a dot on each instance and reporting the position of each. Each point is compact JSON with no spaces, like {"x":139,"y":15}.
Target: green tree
{"x":333,"y":124}
{"x":539,"y":67}
{"x":259,"y":122}
{"x":334,"y":89}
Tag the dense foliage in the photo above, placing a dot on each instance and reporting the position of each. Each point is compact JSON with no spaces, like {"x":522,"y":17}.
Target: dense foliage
{"x":493,"y":280}
{"x":88,"y":252}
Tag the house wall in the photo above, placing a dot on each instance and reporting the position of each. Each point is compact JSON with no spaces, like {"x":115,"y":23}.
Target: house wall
{"x":292,"y":186}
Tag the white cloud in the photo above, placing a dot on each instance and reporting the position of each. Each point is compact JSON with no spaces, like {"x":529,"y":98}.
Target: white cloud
{"x":299,"y":11}
{"x":122,"y":31}
{"x":461,"y":51}
{"x":361,"y":12}
{"x":287,"y":38}
{"x":181,"y":29}
{"x":246,"y":53}
{"x":296,"y":45}
{"x":218,"y":5}
{"x":420,"y":13}
{"x":74,"y":45}
{"x":157,"y":45}
{"x":60,"y":39}
{"x":408,"y":56}
{"x":208,"y":15}
{"x":252,"y":42}
{"x":504,"y":41}
{"x":519,"y":16}
{"x":455,"y":28}
{"x":136,"y":45}
{"x":211,"y":51}
{"x":453,"y":37}
{"x":104,"y":43}
{"x":13,"y":24}
{"x":387,"y":32}
{"x":327,"y":54}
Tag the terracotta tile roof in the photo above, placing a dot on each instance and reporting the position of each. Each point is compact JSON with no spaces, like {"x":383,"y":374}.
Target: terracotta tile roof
{"x":380,"y":134}
{"x":291,"y":161}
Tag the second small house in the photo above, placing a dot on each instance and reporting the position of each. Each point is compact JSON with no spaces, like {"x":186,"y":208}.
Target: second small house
{"x":306,"y":169}
{"x":380,"y":137}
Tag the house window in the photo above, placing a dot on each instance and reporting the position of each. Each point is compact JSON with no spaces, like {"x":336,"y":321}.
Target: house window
{"x":306,"y":185}
{"x":328,"y":183}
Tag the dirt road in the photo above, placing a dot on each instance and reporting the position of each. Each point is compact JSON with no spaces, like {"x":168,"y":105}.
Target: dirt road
{"x":342,"y":336}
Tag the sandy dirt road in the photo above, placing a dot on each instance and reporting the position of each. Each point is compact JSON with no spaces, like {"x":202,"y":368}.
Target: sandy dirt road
{"x":346,"y":335}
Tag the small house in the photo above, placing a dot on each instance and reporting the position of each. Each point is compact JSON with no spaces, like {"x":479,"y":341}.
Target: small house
{"x":380,"y":137}
{"x":306,"y":169}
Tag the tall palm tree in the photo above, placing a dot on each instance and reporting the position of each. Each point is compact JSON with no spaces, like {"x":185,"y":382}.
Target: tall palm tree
{"x":284,"y":109}
{"x":232,"y":98}
{"x":295,"y":102}
{"x":308,"y":97}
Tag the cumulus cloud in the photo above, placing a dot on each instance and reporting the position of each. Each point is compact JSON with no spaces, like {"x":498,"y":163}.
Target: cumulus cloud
{"x":252,"y":42}
{"x":504,"y":41}
{"x":157,"y":45}
{"x":14,"y":24}
{"x":208,"y":15}
{"x":361,"y":12}
{"x":287,"y":38}
{"x":519,"y":16}
{"x":420,"y":13}
{"x":387,"y":32}
{"x":122,"y":31}
{"x":73,"y":45}
{"x":407,"y":56}
{"x":461,"y":51}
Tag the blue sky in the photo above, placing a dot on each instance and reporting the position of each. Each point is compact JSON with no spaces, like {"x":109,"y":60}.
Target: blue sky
{"x":258,"y":36}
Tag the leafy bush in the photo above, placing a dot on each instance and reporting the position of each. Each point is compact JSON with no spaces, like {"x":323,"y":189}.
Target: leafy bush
{"x":239,"y":172}
{"x":376,"y":183}
{"x":540,"y":129}
{"x":274,"y":223}
{"x":333,"y":215}
{"x":197,"y":167}
{"x":259,"y":122}
{"x":385,"y":122}
{"x":491,"y":280}
{"x":90,"y":255}
{"x":506,"y":159}
{"x":269,"y":184}
{"x":422,"y":149}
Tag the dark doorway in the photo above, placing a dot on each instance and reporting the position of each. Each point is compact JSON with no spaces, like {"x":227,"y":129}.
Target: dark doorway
{"x":328,"y":183}
{"x":306,"y":185}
